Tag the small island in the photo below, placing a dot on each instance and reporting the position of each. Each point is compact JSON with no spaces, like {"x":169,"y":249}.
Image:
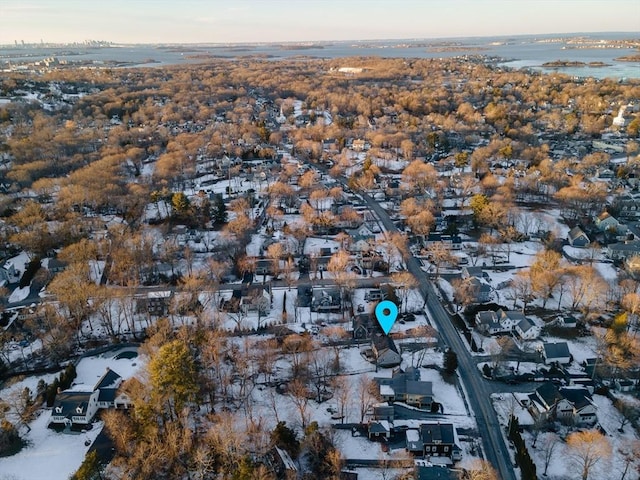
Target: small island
{"x":572,"y":63}
{"x":629,"y":58}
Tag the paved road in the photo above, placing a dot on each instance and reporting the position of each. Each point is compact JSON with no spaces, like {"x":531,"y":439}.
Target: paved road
{"x":478,"y":390}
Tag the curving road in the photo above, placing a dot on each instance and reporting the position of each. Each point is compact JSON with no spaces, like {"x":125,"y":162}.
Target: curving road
{"x":478,"y":391}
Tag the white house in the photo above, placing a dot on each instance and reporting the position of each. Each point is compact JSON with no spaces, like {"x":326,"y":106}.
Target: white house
{"x":78,"y":406}
{"x":556,"y":353}
{"x":74,"y":407}
{"x":526,"y":329}
{"x":576,"y":406}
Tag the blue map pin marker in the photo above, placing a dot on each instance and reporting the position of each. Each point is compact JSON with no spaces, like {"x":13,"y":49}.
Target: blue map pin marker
{"x":386,"y":313}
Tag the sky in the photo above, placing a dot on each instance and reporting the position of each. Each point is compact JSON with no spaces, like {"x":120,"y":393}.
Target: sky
{"x":238,"y":21}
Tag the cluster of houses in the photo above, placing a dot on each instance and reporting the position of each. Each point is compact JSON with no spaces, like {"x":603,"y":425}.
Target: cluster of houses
{"x":433,"y":440}
{"x":571,"y":405}
{"x":512,"y":322}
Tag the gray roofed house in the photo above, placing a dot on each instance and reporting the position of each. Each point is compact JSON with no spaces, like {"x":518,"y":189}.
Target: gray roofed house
{"x":363,"y":326}
{"x":569,"y":404}
{"x":526,"y":329}
{"x":385,"y":351}
{"x":543,"y":400}
{"x":487,"y":322}
{"x":407,"y":387}
{"x":107,"y":387}
{"x":623,"y":250}
{"x":577,"y":238}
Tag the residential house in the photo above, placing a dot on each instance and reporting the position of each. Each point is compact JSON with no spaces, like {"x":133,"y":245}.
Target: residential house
{"x":487,"y":323}
{"x":108,"y":386}
{"x":363,"y":326}
{"x":406,"y":387}
{"x":504,"y":321}
{"x":556,"y":353}
{"x":577,"y":238}
{"x":383,"y":412}
{"x":606,"y":222}
{"x":375,"y":295}
{"x":256,"y":300}
{"x":576,"y":406}
{"x":481,"y":290}
{"x":623,"y":250}
{"x":378,"y":430}
{"x":385,"y":351}
{"x":526,"y":329}
{"x":77,"y":406}
{"x":543,"y":400}
{"x":434,"y":440}
{"x":155,"y":303}
{"x":623,"y":385}
{"x":510,"y":318}
{"x":55,"y":266}
{"x":9,"y":274}
{"x":452,"y":242}
{"x":326,"y":299}
{"x":73,"y":408}
{"x":264,"y":266}
{"x":471,"y":271}
{"x":627,"y":206}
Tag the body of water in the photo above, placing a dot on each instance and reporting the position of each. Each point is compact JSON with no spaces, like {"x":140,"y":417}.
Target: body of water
{"x":517,"y":52}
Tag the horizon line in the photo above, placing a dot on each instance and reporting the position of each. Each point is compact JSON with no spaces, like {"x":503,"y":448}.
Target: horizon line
{"x":279,"y":42}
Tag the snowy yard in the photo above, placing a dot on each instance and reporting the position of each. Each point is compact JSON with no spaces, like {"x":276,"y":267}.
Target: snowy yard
{"x":49,"y":455}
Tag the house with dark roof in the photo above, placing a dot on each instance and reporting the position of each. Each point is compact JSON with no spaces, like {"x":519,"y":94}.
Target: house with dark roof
{"x":385,"y":351}
{"x":279,"y":462}
{"x":487,"y":322}
{"x":576,"y":406}
{"x":107,"y":386}
{"x":378,"y":430}
{"x":325,"y":299}
{"x":78,"y":405}
{"x":556,"y":353}
{"x":363,"y":326}
{"x":623,"y":250}
{"x":74,"y":408}
{"x":572,"y":405}
{"x":434,"y":440}
{"x":406,"y":387}
{"x":526,"y":329}
{"x":543,"y":400}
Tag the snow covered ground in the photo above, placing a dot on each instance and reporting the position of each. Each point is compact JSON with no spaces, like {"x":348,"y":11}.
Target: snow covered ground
{"x":50,"y":455}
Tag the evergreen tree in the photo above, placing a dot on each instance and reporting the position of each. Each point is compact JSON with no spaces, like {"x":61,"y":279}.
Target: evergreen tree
{"x":450,"y":362}
{"x":285,"y":438}
{"x":218,"y":210}
{"x":90,"y":468}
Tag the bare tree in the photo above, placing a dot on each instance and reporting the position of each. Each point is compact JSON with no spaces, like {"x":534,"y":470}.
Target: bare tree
{"x":299,"y":395}
{"x":586,"y":449}
{"x":365,"y":395}
{"x":548,"y":443}
{"x":481,"y":470}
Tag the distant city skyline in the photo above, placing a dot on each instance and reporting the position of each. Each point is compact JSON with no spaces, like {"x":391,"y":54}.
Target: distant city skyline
{"x":250,"y":21}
